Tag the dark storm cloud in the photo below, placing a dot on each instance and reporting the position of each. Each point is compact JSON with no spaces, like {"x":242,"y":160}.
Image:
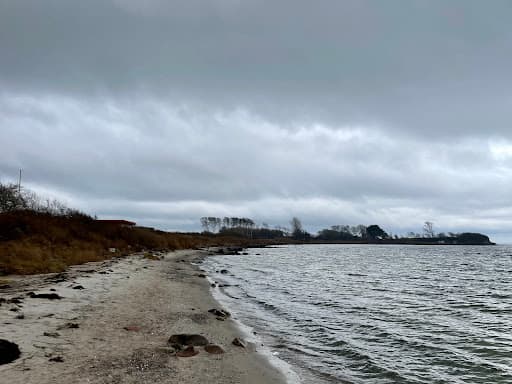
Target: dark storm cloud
{"x":338,"y":111}
{"x":419,"y":66}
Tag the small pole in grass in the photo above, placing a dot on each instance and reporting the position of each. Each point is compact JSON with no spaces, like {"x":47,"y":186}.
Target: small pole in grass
{"x":19,"y":183}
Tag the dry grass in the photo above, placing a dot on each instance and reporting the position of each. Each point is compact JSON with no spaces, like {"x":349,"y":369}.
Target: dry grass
{"x":39,"y":243}
{"x":33,"y":242}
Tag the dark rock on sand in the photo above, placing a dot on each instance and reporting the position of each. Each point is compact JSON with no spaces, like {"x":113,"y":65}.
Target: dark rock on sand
{"x":59,"y":278}
{"x":224,"y":271}
{"x":78,"y":287}
{"x":15,"y":300}
{"x":238,"y":342}
{"x":20,"y":316}
{"x":187,"y":352}
{"x":69,"y":326}
{"x":8,"y":351}
{"x":219,"y":312}
{"x":188,"y":339}
{"x":56,"y":359}
{"x":49,"y":296}
{"x":132,"y":328}
{"x":5,"y":286}
{"x":213,"y":349}
{"x":51,"y":334}
{"x":201,"y":275}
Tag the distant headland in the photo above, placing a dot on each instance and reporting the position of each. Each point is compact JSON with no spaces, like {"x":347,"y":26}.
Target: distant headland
{"x":39,"y":235}
{"x":336,"y":234}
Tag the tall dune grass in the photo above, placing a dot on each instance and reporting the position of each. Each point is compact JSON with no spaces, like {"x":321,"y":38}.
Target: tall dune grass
{"x":32,"y":242}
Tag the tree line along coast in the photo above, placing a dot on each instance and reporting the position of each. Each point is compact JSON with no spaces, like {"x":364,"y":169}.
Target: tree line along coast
{"x":40,"y":235}
{"x":357,"y":234}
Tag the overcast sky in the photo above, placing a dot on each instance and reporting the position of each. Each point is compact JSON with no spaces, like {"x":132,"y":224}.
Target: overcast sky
{"x":338,"y":112}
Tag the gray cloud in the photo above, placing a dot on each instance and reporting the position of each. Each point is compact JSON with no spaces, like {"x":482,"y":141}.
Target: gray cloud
{"x":353,"y":111}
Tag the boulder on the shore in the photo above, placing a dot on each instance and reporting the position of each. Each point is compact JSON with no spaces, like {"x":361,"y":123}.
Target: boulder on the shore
{"x":188,"y":352}
{"x":188,"y":339}
{"x":238,"y":342}
{"x":69,"y":326}
{"x":219,"y":312}
{"x":8,"y":351}
{"x":78,"y":287}
{"x":213,"y":349}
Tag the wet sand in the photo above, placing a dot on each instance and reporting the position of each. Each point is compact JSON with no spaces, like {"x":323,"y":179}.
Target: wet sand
{"x":115,"y":329}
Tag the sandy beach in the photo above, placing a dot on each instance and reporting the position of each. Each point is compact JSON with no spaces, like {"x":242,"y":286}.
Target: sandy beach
{"x":113,"y":322}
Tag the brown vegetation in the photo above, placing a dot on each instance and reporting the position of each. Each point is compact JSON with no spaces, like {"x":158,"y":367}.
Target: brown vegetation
{"x":32,"y":242}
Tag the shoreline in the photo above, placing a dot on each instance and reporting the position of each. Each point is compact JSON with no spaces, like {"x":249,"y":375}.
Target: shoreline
{"x":115,"y":329}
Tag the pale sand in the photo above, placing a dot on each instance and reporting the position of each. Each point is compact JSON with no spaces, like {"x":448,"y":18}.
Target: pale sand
{"x":162,"y":297}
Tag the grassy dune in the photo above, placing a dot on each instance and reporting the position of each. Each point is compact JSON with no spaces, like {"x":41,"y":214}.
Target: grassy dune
{"x":32,"y":242}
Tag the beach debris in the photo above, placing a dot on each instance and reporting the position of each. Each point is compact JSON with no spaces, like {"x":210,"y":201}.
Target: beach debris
{"x":132,"y":328}
{"x":224,"y":271}
{"x":201,"y":275}
{"x":213,"y":349}
{"x":56,"y":359}
{"x":188,"y":352}
{"x":187,"y":339}
{"x":49,"y":296}
{"x":8,"y":351}
{"x":51,"y":334}
{"x":78,"y":287}
{"x":238,"y":342}
{"x":69,"y":326}
{"x":219,"y":313}
{"x":20,"y":316}
{"x":15,"y":309}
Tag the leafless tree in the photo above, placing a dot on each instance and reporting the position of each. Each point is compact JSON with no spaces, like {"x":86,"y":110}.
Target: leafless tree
{"x":428,"y":229}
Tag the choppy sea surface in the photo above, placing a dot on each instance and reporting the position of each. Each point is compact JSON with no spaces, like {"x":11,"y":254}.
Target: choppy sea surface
{"x":376,"y":313}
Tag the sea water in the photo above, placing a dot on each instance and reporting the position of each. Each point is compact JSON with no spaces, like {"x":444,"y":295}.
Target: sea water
{"x":377,"y":313}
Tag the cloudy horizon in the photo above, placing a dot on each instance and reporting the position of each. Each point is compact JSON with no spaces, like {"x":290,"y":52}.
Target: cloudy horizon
{"x":337,"y":112}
